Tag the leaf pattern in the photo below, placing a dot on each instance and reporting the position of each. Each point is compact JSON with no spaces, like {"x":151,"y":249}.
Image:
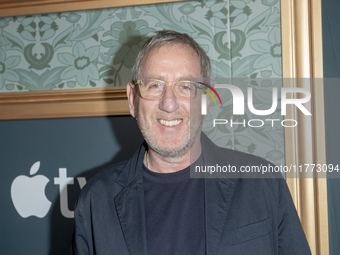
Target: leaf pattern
{"x":97,"y":48}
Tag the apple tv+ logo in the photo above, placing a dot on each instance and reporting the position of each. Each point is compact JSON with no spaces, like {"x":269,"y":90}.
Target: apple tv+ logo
{"x":28,"y":193}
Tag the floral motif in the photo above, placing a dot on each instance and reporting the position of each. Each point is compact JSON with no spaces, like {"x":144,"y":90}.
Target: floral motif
{"x":128,"y":39}
{"x":275,"y":155}
{"x":80,"y":64}
{"x":218,"y":14}
{"x":271,"y":50}
{"x":134,"y":13}
{"x":122,"y":14}
{"x":46,"y":27}
{"x":239,"y":12}
{"x":97,"y":48}
{"x":187,"y":9}
{"x":269,"y":2}
{"x":5,"y":65}
{"x":27,"y":28}
{"x":3,"y":23}
{"x":73,"y":17}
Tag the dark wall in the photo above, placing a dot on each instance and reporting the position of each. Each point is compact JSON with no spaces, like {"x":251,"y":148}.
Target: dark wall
{"x":331,"y":53}
{"x":81,"y":145}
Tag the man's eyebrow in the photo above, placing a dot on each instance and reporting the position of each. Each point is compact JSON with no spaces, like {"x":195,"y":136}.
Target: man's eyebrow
{"x":185,"y":78}
{"x":162,"y":78}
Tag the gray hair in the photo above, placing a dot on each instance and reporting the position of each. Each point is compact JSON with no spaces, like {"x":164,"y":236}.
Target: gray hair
{"x":168,"y":37}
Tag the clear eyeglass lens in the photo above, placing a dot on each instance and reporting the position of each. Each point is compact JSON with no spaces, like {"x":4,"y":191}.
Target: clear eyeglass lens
{"x":153,"y":89}
{"x":185,"y":90}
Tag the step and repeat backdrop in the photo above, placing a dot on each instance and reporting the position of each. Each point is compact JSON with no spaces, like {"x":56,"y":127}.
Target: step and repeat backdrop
{"x":44,"y":164}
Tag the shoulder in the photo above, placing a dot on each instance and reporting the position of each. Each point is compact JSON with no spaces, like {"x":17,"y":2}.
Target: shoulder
{"x":240,"y":157}
{"x":223,"y":154}
{"x":103,"y":182}
{"x":243,"y":165}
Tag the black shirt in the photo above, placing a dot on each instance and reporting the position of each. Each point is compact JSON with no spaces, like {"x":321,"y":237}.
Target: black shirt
{"x":174,"y":213}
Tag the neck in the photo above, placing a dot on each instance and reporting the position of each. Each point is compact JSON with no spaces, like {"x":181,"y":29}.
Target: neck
{"x":157,"y":163}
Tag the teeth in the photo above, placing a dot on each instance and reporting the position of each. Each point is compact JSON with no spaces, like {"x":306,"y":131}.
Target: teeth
{"x":170,"y":123}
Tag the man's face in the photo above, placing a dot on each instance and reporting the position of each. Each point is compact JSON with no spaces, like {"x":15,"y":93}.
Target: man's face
{"x":165,"y":123}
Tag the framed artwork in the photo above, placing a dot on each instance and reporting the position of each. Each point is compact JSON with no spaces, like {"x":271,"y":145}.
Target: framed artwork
{"x":97,"y":36}
{"x":10,"y":8}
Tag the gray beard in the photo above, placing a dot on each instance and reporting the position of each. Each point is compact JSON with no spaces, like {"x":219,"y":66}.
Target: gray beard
{"x":150,"y":140}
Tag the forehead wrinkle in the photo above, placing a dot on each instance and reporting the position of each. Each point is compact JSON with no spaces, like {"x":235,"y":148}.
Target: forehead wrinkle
{"x":181,"y":73}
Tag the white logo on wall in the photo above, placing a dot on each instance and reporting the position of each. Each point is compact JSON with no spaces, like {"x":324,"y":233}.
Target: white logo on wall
{"x":28,"y":193}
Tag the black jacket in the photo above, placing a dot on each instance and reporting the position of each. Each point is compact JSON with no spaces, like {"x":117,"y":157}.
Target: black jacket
{"x":243,"y":216}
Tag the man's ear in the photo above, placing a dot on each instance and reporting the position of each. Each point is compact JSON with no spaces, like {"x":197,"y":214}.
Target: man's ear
{"x":130,"y":90}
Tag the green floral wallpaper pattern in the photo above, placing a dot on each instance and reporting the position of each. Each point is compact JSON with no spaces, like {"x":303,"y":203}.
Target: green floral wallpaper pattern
{"x":97,"y":48}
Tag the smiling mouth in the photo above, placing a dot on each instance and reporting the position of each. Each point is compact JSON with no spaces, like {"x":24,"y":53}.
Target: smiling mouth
{"x":169,"y":123}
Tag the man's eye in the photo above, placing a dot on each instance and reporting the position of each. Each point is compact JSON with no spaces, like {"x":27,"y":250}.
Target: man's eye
{"x":154,"y":86}
{"x":185,"y":87}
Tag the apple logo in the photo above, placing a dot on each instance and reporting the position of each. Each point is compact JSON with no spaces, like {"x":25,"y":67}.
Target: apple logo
{"x":28,"y":194}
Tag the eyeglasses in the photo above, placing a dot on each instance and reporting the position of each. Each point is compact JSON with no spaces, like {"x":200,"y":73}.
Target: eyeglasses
{"x":153,"y":89}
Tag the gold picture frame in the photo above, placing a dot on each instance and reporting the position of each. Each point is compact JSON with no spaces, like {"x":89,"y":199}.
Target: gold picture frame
{"x":301,"y":58}
{"x":301,"y":28}
{"x":71,"y":102}
{"x":9,"y":8}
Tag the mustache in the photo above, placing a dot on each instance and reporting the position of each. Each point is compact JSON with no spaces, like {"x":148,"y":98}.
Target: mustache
{"x":169,"y":116}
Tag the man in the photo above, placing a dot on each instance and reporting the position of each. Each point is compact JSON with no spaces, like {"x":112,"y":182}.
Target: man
{"x":150,"y":205}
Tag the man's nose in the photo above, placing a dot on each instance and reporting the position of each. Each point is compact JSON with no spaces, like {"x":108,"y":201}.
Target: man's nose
{"x":169,"y":102}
